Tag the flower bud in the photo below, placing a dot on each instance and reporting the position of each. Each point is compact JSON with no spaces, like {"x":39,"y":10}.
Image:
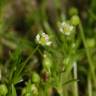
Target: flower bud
{"x":3,"y":90}
{"x":90,"y":43}
{"x":75,"y":20}
{"x":34,"y":89}
{"x":35,"y":78}
{"x":73,"y":11}
{"x":47,"y":63}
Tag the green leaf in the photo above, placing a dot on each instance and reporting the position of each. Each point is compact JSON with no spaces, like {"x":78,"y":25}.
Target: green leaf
{"x":13,"y":91}
{"x":70,"y":81}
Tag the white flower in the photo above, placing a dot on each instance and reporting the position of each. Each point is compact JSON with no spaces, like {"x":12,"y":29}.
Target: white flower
{"x":43,"y":39}
{"x":65,"y":28}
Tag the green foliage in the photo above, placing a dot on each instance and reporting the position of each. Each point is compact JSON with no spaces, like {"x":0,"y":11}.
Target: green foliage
{"x":47,"y":48}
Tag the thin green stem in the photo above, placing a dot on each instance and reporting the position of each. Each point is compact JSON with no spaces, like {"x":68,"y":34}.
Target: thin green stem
{"x":89,"y":87}
{"x":25,"y":62}
{"x":75,"y":77}
{"x":92,"y":68}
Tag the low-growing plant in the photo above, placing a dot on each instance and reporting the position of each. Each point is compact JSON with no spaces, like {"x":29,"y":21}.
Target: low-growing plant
{"x":41,"y":56}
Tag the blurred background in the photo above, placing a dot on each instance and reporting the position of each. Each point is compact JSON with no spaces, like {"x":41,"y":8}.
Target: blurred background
{"x":47,"y":47}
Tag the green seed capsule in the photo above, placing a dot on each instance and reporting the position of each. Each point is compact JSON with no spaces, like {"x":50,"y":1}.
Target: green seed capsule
{"x":75,"y":20}
{"x":90,"y":43}
{"x":47,"y":63}
{"x":73,"y":11}
{"x":35,"y":78}
{"x":3,"y":89}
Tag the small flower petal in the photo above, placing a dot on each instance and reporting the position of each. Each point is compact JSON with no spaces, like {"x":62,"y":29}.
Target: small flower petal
{"x":43,"y":39}
{"x":65,"y":28}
